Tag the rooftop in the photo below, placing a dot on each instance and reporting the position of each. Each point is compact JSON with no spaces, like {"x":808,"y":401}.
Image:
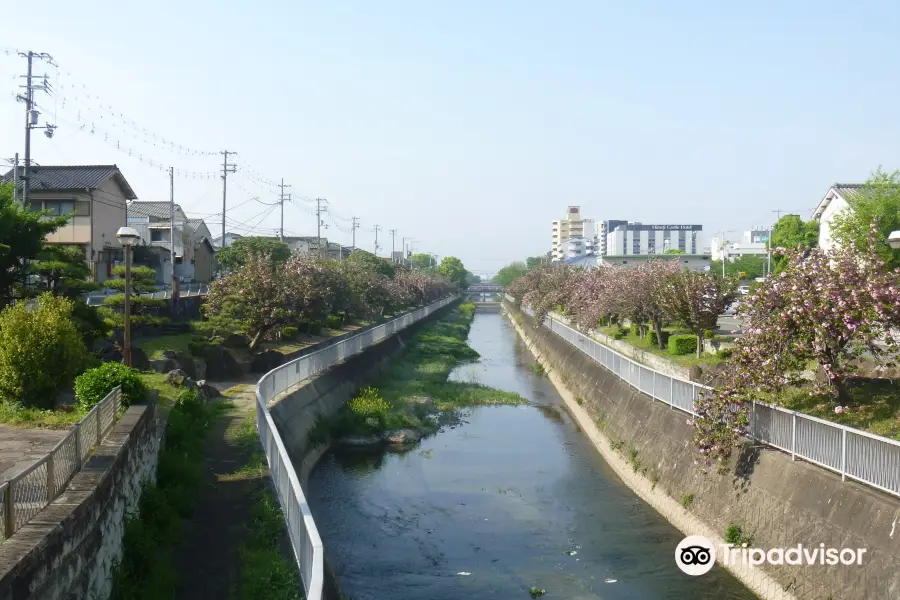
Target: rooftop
{"x":72,"y":177}
{"x":153,"y":209}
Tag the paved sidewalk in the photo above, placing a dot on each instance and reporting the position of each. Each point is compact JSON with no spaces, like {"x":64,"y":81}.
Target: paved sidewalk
{"x":21,"y":448}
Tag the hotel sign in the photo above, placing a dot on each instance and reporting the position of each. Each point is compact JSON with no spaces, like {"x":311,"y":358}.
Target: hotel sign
{"x":677,"y":227}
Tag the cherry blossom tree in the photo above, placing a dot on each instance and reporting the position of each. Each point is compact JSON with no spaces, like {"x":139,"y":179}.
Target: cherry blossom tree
{"x":695,"y":299}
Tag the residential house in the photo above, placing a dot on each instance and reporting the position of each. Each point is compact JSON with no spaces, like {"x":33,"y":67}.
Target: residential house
{"x":152,"y":222}
{"x":836,"y":200}
{"x":95,"y":196}
{"x":230,"y":238}
{"x":204,"y":260}
{"x":755,"y":242}
{"x":587,"y":261}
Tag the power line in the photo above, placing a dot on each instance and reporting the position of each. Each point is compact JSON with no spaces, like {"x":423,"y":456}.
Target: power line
{"x":281,"y":199}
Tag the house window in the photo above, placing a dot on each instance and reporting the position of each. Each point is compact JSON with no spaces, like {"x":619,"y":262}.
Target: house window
{"x":59,"y":208}
{"x":156,"y":235}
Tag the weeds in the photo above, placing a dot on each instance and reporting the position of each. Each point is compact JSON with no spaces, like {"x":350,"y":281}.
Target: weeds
{"x":538,"y":369}
{"x":735,"y":535}
{"x":633,"y":458}
{"x":687,"y":500}
{"x":265,"y":572}
{"x":617,"y":445}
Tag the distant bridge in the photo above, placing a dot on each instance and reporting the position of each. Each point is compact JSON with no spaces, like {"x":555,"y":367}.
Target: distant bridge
{"x":485,"y":289}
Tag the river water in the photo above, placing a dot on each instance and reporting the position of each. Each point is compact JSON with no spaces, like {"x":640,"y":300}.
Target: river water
{"x":514,"y":497}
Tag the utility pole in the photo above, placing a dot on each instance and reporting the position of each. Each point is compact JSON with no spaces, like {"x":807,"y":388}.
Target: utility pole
{"x":226,"y":169}
{"x":16,"y":179}
{"x":393,"y":235}
{"x":31,"y":114}
{"x":354,"y":227}
{"x":172,"y":232}
{"x":377,"y":229}
{"x":281,"y":199}
{"x":319,"y":221}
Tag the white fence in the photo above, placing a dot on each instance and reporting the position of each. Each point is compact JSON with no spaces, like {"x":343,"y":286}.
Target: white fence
{"x":868,"y":458}
{"x":305,"y":538}
{"x":29,"y":492}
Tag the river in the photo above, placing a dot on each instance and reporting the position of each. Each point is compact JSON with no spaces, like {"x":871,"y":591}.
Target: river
{"x":513,"y":497}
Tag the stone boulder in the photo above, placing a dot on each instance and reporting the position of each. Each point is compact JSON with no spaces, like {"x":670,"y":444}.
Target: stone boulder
{"x":106,"y":351}
{"x":266,"y":361}
{"x":139,"y":359}
{"x":401,"y":436}
{"x":183,"y":362}
{"x":177,"y":377}
{"x":221,"y":365}
{"x":164,"y":365}
{"x":206,"y":391}
{"x":235,"y":340}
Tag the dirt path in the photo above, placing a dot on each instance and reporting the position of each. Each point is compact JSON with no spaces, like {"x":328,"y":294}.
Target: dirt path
{"x":209,"y":559}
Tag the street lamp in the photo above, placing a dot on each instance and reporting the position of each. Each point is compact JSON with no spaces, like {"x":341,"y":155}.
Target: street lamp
{"x":894,"y":240}
{"x":128,"y":237}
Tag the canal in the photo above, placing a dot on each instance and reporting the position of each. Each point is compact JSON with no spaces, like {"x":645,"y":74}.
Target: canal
{"x":511,"y":498}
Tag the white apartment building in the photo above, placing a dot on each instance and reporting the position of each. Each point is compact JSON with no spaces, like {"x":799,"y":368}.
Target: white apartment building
{"x":753,"y":242}
{"x":572,"y":228}
{"x":633,"y":238}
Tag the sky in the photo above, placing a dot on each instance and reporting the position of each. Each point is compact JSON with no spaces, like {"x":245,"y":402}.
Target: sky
{"x":469,"y":125}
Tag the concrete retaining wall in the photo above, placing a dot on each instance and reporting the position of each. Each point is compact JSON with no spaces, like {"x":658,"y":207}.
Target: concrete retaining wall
{"x":779,"y":502}
{"x":69,"y":550}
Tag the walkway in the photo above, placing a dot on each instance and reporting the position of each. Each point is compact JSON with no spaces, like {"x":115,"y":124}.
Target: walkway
{"x":21,"y":448}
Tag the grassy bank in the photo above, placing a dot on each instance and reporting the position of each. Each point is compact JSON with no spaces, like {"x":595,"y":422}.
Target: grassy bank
{"x":147,"y":570}
{"x":414,"y":392}
{"x":643,"y":343}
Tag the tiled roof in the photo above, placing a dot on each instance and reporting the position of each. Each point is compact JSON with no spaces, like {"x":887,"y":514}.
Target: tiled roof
{"x":153,"y":209}
{"x":72,"y":177}
{"x":844,"y":190}
{"x":194,"y":224}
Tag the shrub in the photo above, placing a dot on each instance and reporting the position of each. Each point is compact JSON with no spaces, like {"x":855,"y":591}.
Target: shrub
{"x":654,"y":339}
{"x":687,"y":500}
{"x":289,"y":333}
{"x":41,"y":351}
{"x":312,"y":328}
{"x":94,"y":384}
{"x":618,"y":334}
{"x":682,"y":344}
{"x":334,"y":322}
{"x":725,"y":353}
{"x":735,"y":535}
{"x":708,"y":334}
{"x":369,"y":403}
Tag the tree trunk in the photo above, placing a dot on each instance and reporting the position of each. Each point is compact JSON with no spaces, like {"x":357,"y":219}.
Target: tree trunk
{"x":257,"y":339}
{"x":657,"y":326}
{"x":700,"y":344}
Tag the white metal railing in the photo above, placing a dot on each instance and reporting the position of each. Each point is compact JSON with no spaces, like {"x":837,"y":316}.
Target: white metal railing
{"x":29,"y":492}
{"x":304,"y":536}
{"x":187,"y":290}
{"x":860,"y":455}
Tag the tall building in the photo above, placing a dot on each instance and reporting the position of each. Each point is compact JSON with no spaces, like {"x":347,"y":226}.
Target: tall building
{"x":573,"y":228}
{"x":622,"y":239}
{"x":754,"y":242}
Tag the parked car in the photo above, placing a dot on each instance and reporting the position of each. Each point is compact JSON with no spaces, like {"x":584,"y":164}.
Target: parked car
{"x":732,"y":309}
{"x":744,"y":290}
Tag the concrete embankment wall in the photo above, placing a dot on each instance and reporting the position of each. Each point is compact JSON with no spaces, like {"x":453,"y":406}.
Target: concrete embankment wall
{"x":779,"y":502}
{"x":69,"y":549}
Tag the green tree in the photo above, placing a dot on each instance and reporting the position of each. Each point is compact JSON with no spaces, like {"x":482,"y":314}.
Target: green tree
{"x":510,"y":273}
{"x":472,"y":278}
{"x":421,"y":261}
{"x":22,"y":234}
{"x":236,"y":255}
{"x":674,"y":251}
{"x":535,"y":261}
{"x":144,"y":310}
{"x":453,"y":270}
{"x":752,"y":266}
{"x":40,"y":351}
{"x":876,"y":204}
{"x":374,"y":264}
{"x":791,"y":232}
{"x":64,"y":270}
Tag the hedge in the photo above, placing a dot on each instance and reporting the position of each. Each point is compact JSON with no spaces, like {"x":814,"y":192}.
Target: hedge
{"x":682,"y":344}
{"x":289,"y":333}
{"x":94,"y":384}
{"x":665,"y":338}
{"x":334,"y":322}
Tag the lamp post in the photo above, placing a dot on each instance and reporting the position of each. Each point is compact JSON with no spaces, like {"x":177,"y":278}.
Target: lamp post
{"x":894,"y":240}
{"x":128,"y":237}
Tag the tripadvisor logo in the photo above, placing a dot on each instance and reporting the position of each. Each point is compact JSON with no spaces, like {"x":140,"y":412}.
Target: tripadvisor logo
{"x":696,"y":555}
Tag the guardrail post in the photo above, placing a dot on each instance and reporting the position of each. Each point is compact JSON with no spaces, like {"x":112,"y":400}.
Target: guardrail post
{"x":51,"y":477}
{"x":793,"y":436}
{"x":77,"y":430}
{"x":99,"y":426}
{"x":671,"y":392}
{"x":843,"y":455}
{"x":9,"y":520}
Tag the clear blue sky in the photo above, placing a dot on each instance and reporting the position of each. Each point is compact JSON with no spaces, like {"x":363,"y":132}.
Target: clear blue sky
{"x":471,"y":125}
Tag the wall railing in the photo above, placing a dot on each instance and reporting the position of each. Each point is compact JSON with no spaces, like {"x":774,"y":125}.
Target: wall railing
{"x":29,"y":492}
{"x":871,"y":459}
{"x":304,"y":536}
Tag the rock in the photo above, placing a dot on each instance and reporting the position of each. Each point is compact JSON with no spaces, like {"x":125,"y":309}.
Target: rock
{"x":266,"y":361}
{"x":139,"y":359}
{"x":164,"y":365}
{"x":401,"y":436}
{"x":206,"y":391}
{"x":183,"y":362}
{"x":221,"y":365}
{"x":176,"y":377}
{"x":107,"y":351}
{"x":359,"y":440}
{"x":235,"y":340}
{"x":420,"y":400}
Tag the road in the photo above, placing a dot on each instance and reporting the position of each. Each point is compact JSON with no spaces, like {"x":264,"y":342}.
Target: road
{"x":729,"y":323}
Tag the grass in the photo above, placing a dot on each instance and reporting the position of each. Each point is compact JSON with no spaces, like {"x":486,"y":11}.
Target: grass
{"x":415,"y":386}
{"x":735,"y":535}
{"x":147,"y":570}
{"x":874,"y":406}
{"x":16,"y":415}
{"x":687,"y":500}
{"x":176,"y":343}
{"x":685,"y":360}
